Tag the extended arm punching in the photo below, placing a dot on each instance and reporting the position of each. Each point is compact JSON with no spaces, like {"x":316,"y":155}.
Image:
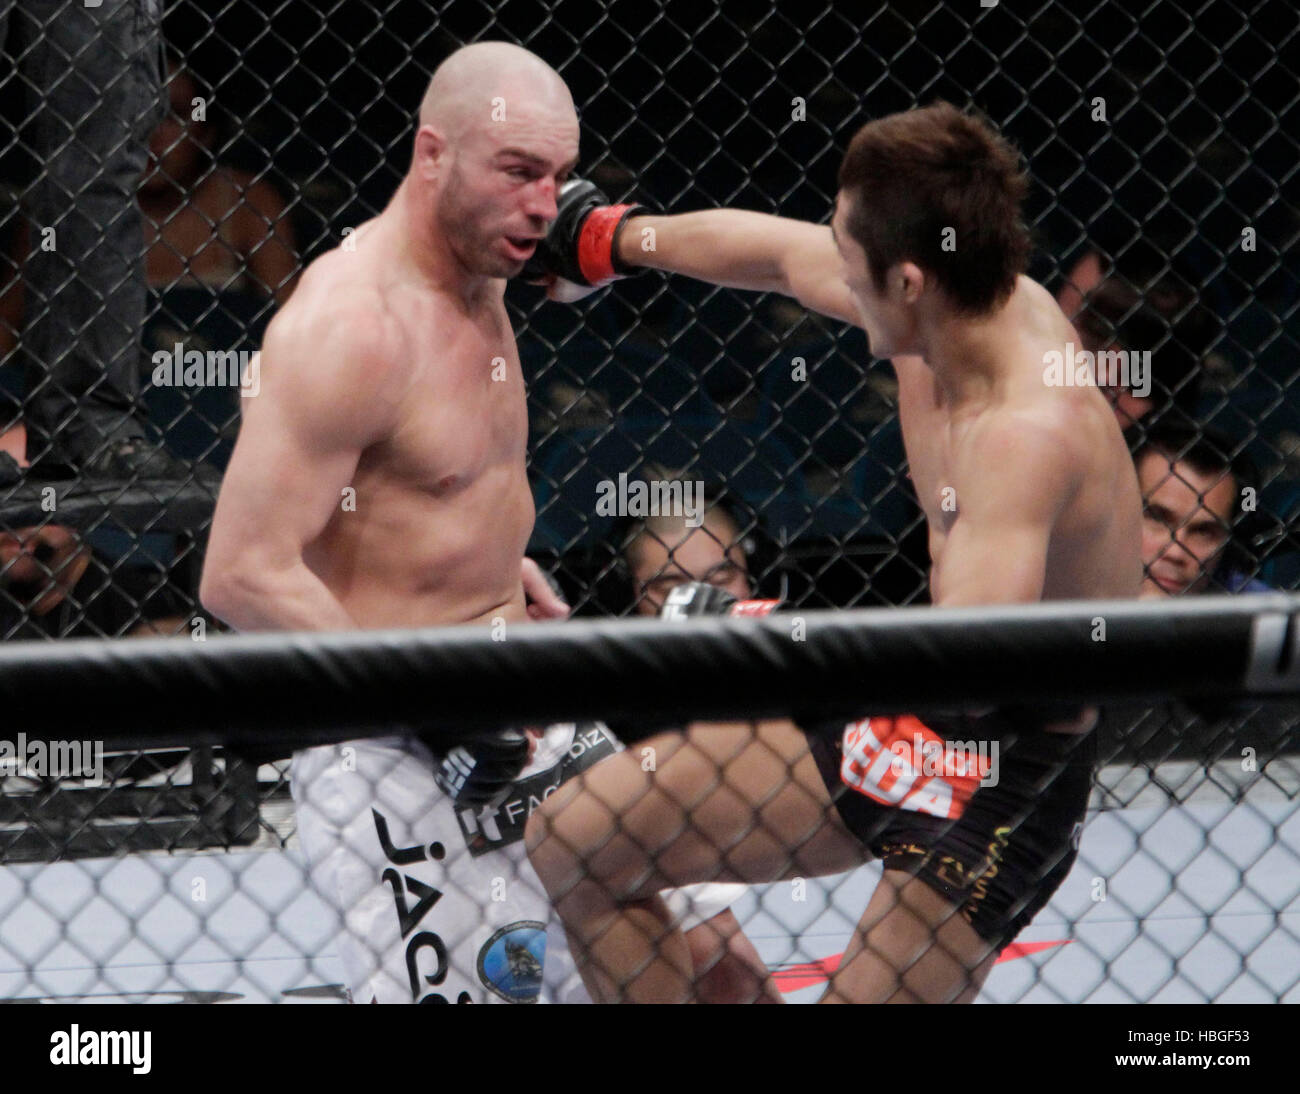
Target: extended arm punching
{"x":593,"y":242}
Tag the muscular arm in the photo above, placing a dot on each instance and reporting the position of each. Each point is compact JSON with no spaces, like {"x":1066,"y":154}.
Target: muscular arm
{"x":744,"y":250}
{"x":1011,"y":482}
{"x":328,"y":393}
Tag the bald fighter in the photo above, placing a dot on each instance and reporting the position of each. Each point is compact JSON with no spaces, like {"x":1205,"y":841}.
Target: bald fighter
{"x":379,"y":481}
{"x":1029,"y":494}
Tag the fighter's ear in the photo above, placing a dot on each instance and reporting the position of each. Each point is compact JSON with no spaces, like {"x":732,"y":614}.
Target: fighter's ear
{"x":907,"y":281}
{"x":430,"y":147}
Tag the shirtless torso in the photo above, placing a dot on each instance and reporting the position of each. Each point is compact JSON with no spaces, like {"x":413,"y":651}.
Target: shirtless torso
{"x":429,"y":522}
{"x":379,"y":481}
{"x":1094,"y":536}
{"x":1018,"y":479}
{"x":1029,"y":494}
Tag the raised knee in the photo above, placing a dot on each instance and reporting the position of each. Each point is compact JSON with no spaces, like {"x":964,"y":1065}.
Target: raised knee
{"x":557,"y":855}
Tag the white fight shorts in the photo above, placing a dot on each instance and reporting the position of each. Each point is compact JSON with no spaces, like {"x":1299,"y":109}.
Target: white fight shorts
{"x":439,"y":904}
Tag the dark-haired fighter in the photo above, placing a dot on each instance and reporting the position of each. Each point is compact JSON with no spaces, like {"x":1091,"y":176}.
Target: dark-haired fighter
{"x":1029,"y":494}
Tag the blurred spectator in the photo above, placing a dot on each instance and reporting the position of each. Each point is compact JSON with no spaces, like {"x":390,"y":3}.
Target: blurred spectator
{"x":1085,"y":274}
{"x":1198,"y":511}
{"x":1146,"y":307}
{"x":93,"y":79}
{"x":54,"y":585}
{"x":207,"y":223}
{"x":664,"y":551}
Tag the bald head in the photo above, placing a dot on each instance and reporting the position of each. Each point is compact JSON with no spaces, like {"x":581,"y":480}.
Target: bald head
{"x":469,"y":87}
{"x":497,"y":138}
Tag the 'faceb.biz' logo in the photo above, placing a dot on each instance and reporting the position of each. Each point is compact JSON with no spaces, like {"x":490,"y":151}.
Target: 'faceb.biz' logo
{"x":510,"y":962}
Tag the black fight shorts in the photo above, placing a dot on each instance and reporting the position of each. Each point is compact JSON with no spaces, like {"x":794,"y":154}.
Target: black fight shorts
{"x":985,"y":809}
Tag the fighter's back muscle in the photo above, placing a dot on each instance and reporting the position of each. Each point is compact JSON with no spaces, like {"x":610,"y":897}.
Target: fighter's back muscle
{"x":1094,"y":548}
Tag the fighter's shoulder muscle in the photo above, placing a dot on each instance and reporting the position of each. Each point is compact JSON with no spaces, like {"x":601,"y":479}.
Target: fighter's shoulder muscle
{"x":333,"y":331}
{"x":1030,"y":450}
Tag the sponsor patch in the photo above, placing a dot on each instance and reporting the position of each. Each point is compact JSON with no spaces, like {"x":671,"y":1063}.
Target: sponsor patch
{"x":510,"y":962}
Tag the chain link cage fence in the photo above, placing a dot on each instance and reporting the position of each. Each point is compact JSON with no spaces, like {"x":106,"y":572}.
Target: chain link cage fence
{"x":245,"y":142}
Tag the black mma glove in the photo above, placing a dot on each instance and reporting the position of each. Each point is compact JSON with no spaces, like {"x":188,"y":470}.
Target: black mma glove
{"x":697,"y":598}
{"x":481,"y":771}
{"x":683,"y":601}
{"x":581,"y":246}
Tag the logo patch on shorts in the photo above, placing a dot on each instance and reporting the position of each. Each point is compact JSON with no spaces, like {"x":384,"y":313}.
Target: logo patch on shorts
{"x":510,"y":962}
{"x":904,"y":763}
{"x":487,"y":830}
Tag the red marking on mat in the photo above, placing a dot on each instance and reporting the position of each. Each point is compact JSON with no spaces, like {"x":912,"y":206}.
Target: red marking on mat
{"x":1024,"y":949}
{"x":797,"y":977}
